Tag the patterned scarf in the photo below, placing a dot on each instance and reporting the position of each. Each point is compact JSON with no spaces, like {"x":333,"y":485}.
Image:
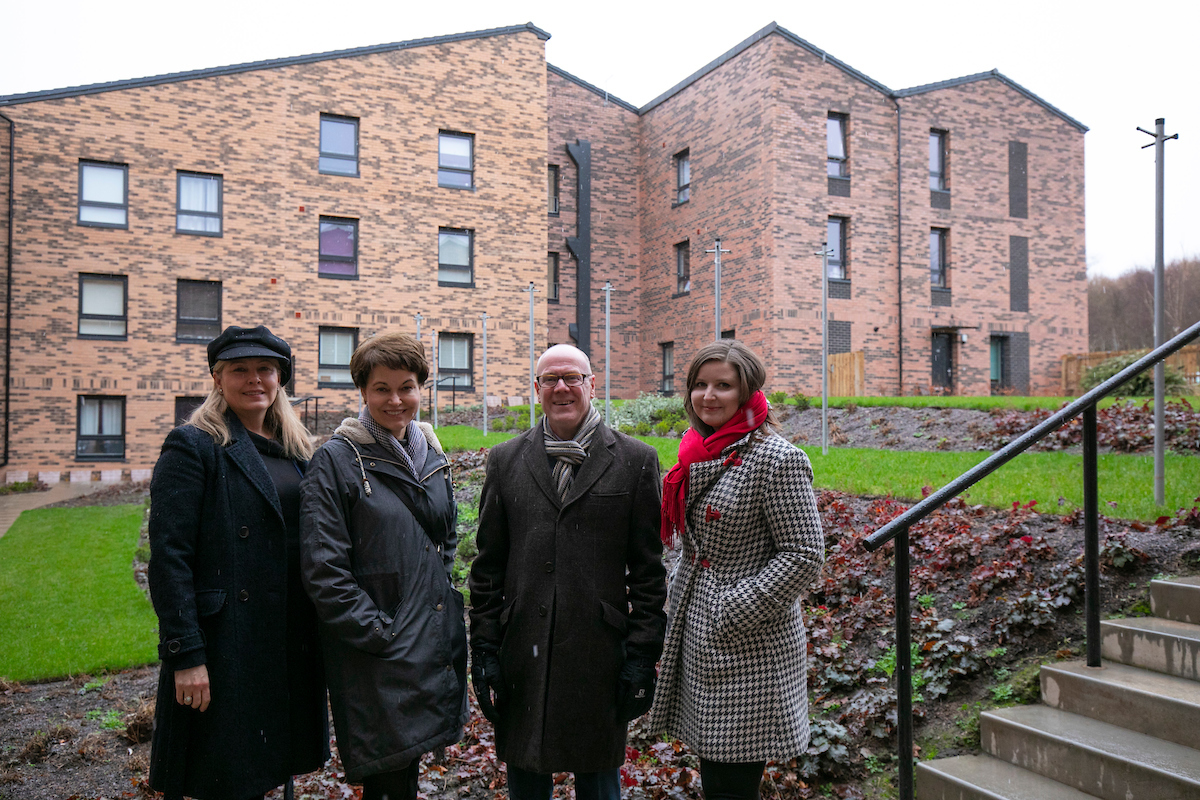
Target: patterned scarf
{"x":411,"y":452}
{"x":569,"y":453}
{"x":695,"y":448}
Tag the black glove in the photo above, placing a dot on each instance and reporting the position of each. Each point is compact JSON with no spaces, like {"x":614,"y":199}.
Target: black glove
{"x":635,"y":687}
{"x":486,"y":680}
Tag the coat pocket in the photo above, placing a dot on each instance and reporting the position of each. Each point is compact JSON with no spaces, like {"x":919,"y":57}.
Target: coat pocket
{"x":614,"y":617}
{"x":385,"y":591}
{"x":209,"y":602}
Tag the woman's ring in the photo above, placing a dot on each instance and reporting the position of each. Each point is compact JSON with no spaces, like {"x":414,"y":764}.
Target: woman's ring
{"x":187,"y":699}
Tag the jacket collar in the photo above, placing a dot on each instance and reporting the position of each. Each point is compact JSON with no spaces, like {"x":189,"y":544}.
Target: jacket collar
{"x":245,"y":457}
{"x":380,"y":459}
{"x":600,"y":457}
{"x":705,"y":473}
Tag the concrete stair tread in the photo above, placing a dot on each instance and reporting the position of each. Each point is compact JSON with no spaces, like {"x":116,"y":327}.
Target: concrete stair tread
{"x":1176,"y":599}
{"x":989,"y":778}
{"x":1100,"y":737}
{"x":1182,"y":630}
{"x":1191,"y":580}
{"x":1134,"y":679}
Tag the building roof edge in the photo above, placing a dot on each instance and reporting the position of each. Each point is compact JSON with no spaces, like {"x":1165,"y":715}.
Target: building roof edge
{"x":983,"y":76}
{"x":253,"y":66}
{"x":594,"y":89}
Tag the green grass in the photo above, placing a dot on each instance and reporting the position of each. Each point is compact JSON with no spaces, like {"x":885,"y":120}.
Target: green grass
{"x":455,"y":438}
{"x":972,"y":403}
{"x":68,"y":600}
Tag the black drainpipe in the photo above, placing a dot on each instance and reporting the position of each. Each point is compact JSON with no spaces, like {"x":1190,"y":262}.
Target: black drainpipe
{"x":8,"y":252}
{"x":899,"y":256}
{"x":581,"y":245}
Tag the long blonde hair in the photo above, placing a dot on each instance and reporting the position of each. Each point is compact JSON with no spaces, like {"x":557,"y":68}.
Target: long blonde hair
{"x":282,"y":422}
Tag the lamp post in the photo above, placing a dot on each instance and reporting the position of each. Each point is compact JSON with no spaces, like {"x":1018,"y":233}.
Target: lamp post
{"x":532,"y":413}
{"x":825,"y":252}
{"x":608,"y":288}
{"x":418,"y":318}
{"x":484,"y":317}
{"x":716,"y":251}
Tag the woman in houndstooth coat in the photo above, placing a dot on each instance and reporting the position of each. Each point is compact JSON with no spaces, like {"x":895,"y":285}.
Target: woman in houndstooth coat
{"x":733,"y":679}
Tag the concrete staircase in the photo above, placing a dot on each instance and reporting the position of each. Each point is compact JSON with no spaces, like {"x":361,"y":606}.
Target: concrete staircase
{"x":1127,"y":730}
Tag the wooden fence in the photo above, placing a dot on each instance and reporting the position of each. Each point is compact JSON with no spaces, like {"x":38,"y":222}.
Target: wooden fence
{"x":847,"y":372}
{"x":1186,"y":360}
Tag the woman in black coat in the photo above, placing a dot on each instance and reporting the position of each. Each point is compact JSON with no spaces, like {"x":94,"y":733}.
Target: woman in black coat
{"x":241,"y":692}
{"x":378,"y":542}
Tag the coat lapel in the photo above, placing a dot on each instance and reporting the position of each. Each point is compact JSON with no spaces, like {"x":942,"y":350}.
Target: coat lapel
{"x":538,"y":464}
{"x":599,"y":459}
{"x":242,"y":453}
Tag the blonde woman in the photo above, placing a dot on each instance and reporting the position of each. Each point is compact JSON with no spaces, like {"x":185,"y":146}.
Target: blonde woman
{"x":241,"y":692}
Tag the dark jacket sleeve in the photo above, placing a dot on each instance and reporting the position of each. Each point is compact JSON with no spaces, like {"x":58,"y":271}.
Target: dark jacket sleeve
{"x":646,"y":578}
{"x":490,"y":565}
{"x":325,"y":560}
{"x":177,"y":502}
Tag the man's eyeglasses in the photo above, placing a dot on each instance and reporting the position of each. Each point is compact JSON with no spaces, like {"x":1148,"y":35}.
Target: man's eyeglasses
{"x":550,"y":380}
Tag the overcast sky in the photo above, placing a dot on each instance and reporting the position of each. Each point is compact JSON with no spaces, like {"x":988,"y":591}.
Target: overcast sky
{"x":1112,"y":67}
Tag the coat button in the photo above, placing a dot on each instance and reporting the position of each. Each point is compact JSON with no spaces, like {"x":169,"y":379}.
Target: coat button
{"x":448,"y":668}
{"x":549,"y":567}
{"x":173,"y":646}
{"x":243,"y":595}
{"x":244,"y":532}
{"x":439,"y":606}
{"x":541,"y":611}
{"x":372,"y":463}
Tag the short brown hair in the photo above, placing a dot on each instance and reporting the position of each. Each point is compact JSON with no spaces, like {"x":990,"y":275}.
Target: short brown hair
{"x":751,"y":372}
{"x":391,"y":350}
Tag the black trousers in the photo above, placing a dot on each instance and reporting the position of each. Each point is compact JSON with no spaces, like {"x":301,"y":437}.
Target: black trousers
{"x":731,"y":781}
{"x":400,"y":784}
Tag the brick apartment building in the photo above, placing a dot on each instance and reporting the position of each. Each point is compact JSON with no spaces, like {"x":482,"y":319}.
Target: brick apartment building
{"x":338,"y":195}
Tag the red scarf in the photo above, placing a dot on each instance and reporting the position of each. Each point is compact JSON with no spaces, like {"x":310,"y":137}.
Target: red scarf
{"x":693,"y":448}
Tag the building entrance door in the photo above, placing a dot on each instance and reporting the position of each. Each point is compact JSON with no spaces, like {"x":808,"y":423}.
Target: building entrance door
{"x":943,"y":361}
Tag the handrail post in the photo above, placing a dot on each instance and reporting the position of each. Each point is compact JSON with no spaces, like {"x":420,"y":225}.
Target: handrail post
{"x":904,"y":718}
{"x":1091,"y":539}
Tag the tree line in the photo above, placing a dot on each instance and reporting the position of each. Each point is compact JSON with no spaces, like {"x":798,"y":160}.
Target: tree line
{"x":1121,"y":309}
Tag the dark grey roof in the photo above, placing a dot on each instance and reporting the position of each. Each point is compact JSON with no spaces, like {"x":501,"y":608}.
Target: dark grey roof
{"x":176,"y":77}
{"x":983,"y":76}
{"x":612,"y":98}
{"x":739,"y":49}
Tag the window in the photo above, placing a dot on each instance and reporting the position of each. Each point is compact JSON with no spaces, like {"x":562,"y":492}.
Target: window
{"x":184,"y":406}
{"x":456,"y":160}
{"x":339,"y":146}
{"x":552,"y":277}
{"x":103,"y":195}
{"x":103,"y":313}
{"x":455,"y":257}
{"x":937,"y":161}
{"x":668,"y":368}
{"x":729,"y":334}
{"x":1018,"y":180}
{"x":336,"y":345}
{"x":938,"y":262}
{"x":835,"y":146}
{"x":552,"y":188}
{"x":683,"y":268}
{"x":835,"y":242}
{"x":683,"y":177}
{"x":454,"y":361}
{"x":101,"y":435}
{"x":197,"y":311}
{"x":198,"y":204}
{"x":999,"y":378}
{"x":339,"y":248}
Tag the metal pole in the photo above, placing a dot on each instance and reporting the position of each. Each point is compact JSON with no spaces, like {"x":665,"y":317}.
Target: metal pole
{"x":717,"y":288}
{"x":532,"y":413}
{"x":904,"y":719}
{"x":824,"y":253}
{"x":608,"y":287}
{"x":1091,"y":539}
{"x":433,"y":337}
{"x":484,"y":317}
{"x":418,"y":318}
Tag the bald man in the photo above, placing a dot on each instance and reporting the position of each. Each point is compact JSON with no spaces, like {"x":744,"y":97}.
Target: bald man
{"x":567,"y":591}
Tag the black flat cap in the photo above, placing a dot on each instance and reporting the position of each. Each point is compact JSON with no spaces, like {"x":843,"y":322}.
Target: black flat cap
{"x":235,"y":342}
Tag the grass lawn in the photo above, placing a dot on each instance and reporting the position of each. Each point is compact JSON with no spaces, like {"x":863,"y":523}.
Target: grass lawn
{"x":68,"y":600}
{"x":973,"y":403}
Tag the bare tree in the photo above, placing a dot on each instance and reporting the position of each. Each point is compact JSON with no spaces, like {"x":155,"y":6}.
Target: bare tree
{"x":1121,"y":309}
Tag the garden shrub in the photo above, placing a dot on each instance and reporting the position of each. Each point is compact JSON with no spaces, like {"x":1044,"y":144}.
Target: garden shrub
{"x":1140,"y":386}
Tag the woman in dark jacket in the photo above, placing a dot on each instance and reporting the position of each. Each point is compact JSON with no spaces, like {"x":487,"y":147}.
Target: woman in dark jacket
{"x":241,"y":693}
{"x":378,"y":542}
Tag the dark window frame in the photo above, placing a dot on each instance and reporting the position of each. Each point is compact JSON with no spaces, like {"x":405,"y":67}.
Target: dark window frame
{"x":470,"y":233}
{"x":321,"y":256}
{"x":939,"y":178}
{"x":123,"y":317}
{"x":552,"y":189}
{"x":731,"y":333}
{"x":939,"y":274}
{"x":683,"y":268}
{"x":189,"y":403}
{"x":218,"y":215}
{"x":469,"y":371}
{"x":81,"y":437}
{"x":842,"y":162}
{"x":180,"y":319}
{"x":553,"y":276}
{"x":1004,"y":382}
{"x":468,"y":171}
{"x":842,"y":264}
{"x":667,"y":384}
{"x":683,"y":188}
{"x":340,"y":156}
{"x":321,"y":365}
{"x":123,"y":205}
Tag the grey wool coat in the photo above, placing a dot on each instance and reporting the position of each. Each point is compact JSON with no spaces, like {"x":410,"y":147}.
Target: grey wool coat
{"x":733,"y":679}
{"x":377,"y":566}
{"x":220,"y":584}
{"x":565,"y":589}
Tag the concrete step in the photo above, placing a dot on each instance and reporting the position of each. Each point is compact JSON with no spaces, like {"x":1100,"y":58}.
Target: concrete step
{"x":1177,"y":599}
{"x":1148,"y":702}
{"x":1162,"y":645}
{"x":986,"y":778}
{"x":1094,"y":757}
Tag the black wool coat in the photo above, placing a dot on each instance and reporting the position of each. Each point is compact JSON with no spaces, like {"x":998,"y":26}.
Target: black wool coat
{"x":219,"y":583}
{"x":391,"y":622}
{"x":565,"y":589}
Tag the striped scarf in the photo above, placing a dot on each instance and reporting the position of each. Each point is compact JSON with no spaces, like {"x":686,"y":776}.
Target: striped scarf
{"x":411,"y":452}
{"x":569,"y":453}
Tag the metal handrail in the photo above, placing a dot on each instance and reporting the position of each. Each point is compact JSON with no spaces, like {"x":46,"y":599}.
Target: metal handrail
{"x":897,"y":529}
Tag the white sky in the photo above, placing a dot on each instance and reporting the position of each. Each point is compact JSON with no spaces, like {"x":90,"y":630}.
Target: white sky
{"x":1114,"y":67}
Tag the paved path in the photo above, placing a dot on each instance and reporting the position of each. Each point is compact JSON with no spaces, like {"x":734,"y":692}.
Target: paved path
{"x":11,"y":505}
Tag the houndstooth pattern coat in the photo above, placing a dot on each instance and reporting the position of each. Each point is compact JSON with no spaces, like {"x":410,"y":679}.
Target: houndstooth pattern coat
{"x":733,"y":680}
